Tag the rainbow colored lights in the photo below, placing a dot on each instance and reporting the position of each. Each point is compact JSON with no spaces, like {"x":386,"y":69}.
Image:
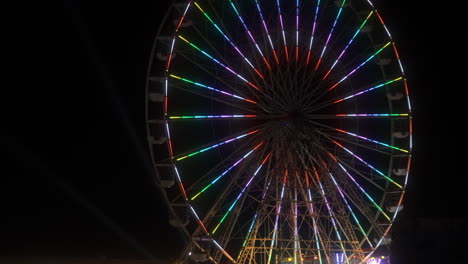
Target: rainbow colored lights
{"x":358,"y":67}
{"x":240,"y":194}
{"x":360,"y":188}
{"x":211,"y":116}
{"x":228,"y":36}
{"x":367,"y":164}
{"x":371,"y":115}
{"x":211,"y":88}
{"x":330,"y":213}
{"x":347,"y":45}
{"x":282,"y":29}
{"x":330,"y":34}
{"x":217,"y":145}
{"x":218,"y":62}
{"x":368,"y":90}
{"x":226,"y":171}
{"x":312,"y":211}
{"x":350,"y":209}
{"x":228,"y":40}
{"x":313,"y":31}
{"x":278,"y":212}
{"x":371,"y":140}
{"x":250,"y":34}
{"x":266,"y":31}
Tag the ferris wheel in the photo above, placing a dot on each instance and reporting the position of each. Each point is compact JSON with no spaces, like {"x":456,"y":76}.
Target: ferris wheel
{"x":281,"y":131}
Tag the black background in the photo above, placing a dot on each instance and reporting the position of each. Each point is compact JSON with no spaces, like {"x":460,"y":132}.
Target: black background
{"x":76,"y":179}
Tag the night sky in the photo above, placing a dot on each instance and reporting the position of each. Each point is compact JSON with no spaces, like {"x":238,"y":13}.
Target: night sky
{"x":76,"y":179}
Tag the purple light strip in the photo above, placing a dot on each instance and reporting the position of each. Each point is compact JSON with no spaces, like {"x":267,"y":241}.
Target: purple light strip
{"x":250,"y":34}
{"x":367,"y":164}
{"x":275,"y":229}
{"x":219,"y":63}
{"x":358,"y":67}
{"x":226,"y":171}
{"x":330,"y":212}
{"x":313,"y":31}
{"x":240,"y":194}
{"x":347,"y":45}
{"x":282,"y":29}
{"x":368,"y":90}
{"x":266,"y":30}
{"x":350,"y":209}
{"x":211,"y":88}
{"x":229,"y":40}
{"x":330,"y":34}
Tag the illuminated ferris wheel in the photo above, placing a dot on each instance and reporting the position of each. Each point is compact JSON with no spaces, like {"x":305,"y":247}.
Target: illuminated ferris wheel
{"x":280,"y":130}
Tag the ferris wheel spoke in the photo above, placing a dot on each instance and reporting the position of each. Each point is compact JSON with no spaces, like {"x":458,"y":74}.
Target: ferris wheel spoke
{"x":250,"y":34}
{"x":317,"y":8}
{"x":207,"y":176}
{"x":211,"y":88}
{"x":372,"y":140}
{"x":310,"y":208}
{"x":330,"y":34}
{"x":266,"y":31}
{"x":258,"y":210}
{"x":367,"y":164}
{"x":278,"y":213}
{"x":211,"y":97}
{"x":366,"y":236}
{"x":348,"y":44}
{"x":341,"y":99}
{"x":360,"y":137}
{"x":338,"y":116}
{"x":226,"y":171}
{"x":297,"y":30}
{"x":229,"y":40}
{"x":212,"y":74}
{"x":330,"y":212}
{"x":212,"y":117}
{"x":360,"y":187}
{"x":212,"y":146}
{"x":219,"y":63}
{"x":359,"y":66}
{"x":282,"y":29}
{"x":240,"y":194}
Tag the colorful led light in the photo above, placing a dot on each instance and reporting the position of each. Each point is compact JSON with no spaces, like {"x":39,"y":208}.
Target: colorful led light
{"x":367,"y":164}
{"x":371,"y":140}
{"x":275,"y":229}
{"x":282,"y":29}
{"x":360,"y":188}
{"x":297,"y":30}
{"x":335,"y":227}
{"x":218,"y":62}
{"x":351,"y":210}
{"x":368,"y":90}
{"x":211,"y":88}
{"x":313,"y":31}
{"x":198,"y":219}
{"x":330,"y":34}
{"x":314,"y":223}
{"x":216,"y":145}
{"x":211,"y":116}
{"x":223,"y":250}
{"x":371,"y":115}
{"x":347,"y":45}
{"x":228,"y":39}
{"x":250,"y":34}
{"x":266,"y":30}
{"x":358,"y":67}
{"x":226,"y":171}
{"x":240,"y":194}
